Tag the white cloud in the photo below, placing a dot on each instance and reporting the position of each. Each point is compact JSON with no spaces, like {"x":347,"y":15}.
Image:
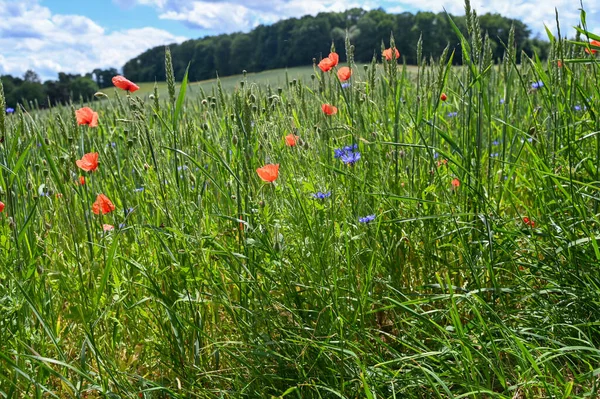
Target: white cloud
{"x":31,"y":37}
{"x":236,"y":15}
{"x":219,"y":16}
{"x":534,"y":13}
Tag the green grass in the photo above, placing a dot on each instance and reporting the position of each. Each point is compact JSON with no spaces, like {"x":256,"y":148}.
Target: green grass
{"x":275,"y":78}
{"x":215,"y":284}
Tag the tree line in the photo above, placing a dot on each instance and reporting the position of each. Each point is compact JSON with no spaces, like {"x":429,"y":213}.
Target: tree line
{"x":296,"y":41}
{"x":287,"y":43}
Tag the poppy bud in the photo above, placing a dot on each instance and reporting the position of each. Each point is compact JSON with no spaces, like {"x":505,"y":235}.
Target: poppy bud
{"x":261,"y":203}
{"x":314,"y":61}
{"x":151,"y":96}
{"x":129,"y":143}
{"x":234,"y":140}
{"x":242,"y":83}
{"x":204,"y":102}
{"x":233,"y":197}
{"x":45,"y":172}
{"x":443,"y":97}
{"x":254,"y":108}
{"x":213,"y":105}
{"x":279,"y":90}
{"x":244,"y":72}
{"x":146,"y":166}
{"x":70,"y":139}
{"x":366,"y":67}
{"x":205,"y":126}
{"x":11,"y":223}
{"x":47,"y":141}
{"x":252,"y":98}
{"x":312,"y":76}
{"x":99,"y":94}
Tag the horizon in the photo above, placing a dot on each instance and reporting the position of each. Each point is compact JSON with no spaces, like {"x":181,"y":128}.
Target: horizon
{"x":52,"y":36}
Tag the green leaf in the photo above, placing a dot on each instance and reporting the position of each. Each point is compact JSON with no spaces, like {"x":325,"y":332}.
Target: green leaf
{"x":180,"y":98}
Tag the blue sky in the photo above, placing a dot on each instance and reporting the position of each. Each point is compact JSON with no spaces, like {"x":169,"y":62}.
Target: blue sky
{"x":49,"y":36}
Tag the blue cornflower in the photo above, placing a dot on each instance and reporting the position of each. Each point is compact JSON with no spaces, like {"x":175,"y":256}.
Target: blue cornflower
{"x":10,"y":110}
{"x":367,"y":219}
{"x":138,"y":190}
{"x":495,"y":155}
{"x":501,"y":101}
{"x":350,"y":158}
{"x":184,"y":167}
{"x":345,"y":85}
{"x":495,"y":142}
{"x":128,"y":211}
{"x":339,"y":152}
{"x":579,"y":108}
{"x":537,"y":85}
{"x":121,"y":225}
{"x":321,"y":196}
{"x":452,"y":114}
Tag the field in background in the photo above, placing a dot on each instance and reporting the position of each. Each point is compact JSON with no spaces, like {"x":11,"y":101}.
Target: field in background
{"x":275,"y":78}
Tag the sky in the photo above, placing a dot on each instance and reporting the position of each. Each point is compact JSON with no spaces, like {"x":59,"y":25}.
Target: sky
{"x":51,"y":36}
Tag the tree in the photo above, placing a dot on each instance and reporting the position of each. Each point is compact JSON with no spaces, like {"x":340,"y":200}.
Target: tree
{"x":31,"y":76}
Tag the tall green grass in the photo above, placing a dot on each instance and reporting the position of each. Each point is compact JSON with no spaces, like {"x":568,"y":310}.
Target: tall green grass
{"x":214,"y":284}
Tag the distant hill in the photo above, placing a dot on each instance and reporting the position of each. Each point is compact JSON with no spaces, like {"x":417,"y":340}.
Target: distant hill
{"x":296,"y":41}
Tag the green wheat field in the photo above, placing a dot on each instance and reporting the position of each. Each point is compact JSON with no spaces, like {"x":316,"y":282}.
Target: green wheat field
{"x":409,"y":247}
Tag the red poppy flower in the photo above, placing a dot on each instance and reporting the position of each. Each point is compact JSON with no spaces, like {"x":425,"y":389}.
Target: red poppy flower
{"x":268,"y":172}
{"x":108,"y":227}
{"x":334,"y":57}
{"x":455,"y":183}
{"x":387,"y":53}
{"x":443,"y":97}
{"x":85,"y":116}
{"x":122,"y":83}
{"x":593,"y":43}
{"x":559,"y":63}
{"x":344,"y":73}
{"x":326,"y":64}
{"x":329,"y":109}
{"x":82,"y":180}
{"x":1,"y":206}
{"x":102,"y":205}
{"x":291,"y":140}
{"x":528,"y":222}
{"x":89,"y":162}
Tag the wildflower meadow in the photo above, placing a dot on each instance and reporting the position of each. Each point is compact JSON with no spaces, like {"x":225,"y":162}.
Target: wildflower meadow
{"x":370,"y":232}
